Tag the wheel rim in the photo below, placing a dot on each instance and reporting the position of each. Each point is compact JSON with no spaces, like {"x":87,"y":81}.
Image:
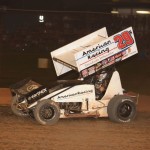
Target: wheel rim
{"x":18,"y":107}
{"x":47,"y":112}
{"x":124,"y":111}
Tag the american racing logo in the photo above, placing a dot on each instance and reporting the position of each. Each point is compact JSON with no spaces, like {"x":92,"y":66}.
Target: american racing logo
{"x":38,"y":94}
{"x":99,"y":49}
{"x":75,"y":94}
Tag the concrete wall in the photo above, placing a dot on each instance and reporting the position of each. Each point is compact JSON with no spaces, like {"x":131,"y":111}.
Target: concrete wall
{"x":5,"y":96}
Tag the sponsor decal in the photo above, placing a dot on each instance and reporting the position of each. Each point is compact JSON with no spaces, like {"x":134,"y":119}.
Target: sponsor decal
{"x":37,"y":94}
{"x":74,"y":94}
{"x":98,"y":66}
{"x":103,"y":64}
{"x":91,"y":70}
{"x":117,"y":55}
{"x":85,"y":73}
{"x":99,"y":49}
{"x":32,"y":87}
{"x":98,"y":53}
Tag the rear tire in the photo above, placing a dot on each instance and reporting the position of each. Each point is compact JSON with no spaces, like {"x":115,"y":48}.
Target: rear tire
{"x":121,"y":109}
{"x":47,"y":112}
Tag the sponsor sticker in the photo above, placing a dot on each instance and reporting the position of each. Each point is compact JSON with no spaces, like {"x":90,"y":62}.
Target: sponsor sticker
{"x":32,"y":87}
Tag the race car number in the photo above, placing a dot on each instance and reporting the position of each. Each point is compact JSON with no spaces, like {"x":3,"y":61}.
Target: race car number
{"x":124,"y":39}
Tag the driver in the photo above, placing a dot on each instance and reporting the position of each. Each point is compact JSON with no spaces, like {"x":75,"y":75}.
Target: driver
{"x":101,"y":84}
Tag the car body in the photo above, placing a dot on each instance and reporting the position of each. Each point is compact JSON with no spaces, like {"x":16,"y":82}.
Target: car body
{"x":96,"y":93}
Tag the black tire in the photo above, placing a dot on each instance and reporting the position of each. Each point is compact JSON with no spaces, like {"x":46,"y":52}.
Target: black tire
{"x":121,"y":109}
{"x":47,"y":112}
{"x":15,"y":108}
{"x":31,"y":113}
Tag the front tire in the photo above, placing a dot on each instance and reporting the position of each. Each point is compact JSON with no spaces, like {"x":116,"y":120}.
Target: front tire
{"x":16,"y":109}
{"x":47,"y":112}
{"x":121,"y":109}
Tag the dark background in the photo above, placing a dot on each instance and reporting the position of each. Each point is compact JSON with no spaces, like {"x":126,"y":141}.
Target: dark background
{"x":23,"y":40}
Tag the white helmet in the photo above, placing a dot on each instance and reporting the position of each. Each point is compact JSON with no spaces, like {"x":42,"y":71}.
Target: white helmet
{"x":102,"y":75}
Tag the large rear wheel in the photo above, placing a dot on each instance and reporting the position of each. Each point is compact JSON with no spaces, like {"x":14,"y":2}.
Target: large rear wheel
{"x":121,"y":109}
{"x":47,"y":112}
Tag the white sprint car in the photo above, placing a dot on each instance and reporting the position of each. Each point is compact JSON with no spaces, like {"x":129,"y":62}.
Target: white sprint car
{"x":96,"y":93}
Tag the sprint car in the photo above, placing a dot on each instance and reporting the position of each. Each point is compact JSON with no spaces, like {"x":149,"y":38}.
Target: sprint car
{"x":96,"y":93}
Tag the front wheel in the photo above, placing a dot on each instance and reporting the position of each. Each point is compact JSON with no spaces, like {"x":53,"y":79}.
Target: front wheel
{"x":47,"y":112}
{"x":121,"y":109}
{"x":16,"y":109}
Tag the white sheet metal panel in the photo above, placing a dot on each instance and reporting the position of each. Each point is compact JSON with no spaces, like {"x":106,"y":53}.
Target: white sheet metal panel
{"x":64,"y":57}
{"x":107,"y":52}
{"x":94,"y":52}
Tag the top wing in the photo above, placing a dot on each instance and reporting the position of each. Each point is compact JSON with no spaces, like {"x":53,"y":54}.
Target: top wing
{"x":94,"y":52}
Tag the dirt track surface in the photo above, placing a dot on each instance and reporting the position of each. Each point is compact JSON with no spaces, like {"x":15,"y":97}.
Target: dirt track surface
{"x":76,"y":134}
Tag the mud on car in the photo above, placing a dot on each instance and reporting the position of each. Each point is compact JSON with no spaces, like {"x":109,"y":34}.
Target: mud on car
{"x":96,"y":93}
